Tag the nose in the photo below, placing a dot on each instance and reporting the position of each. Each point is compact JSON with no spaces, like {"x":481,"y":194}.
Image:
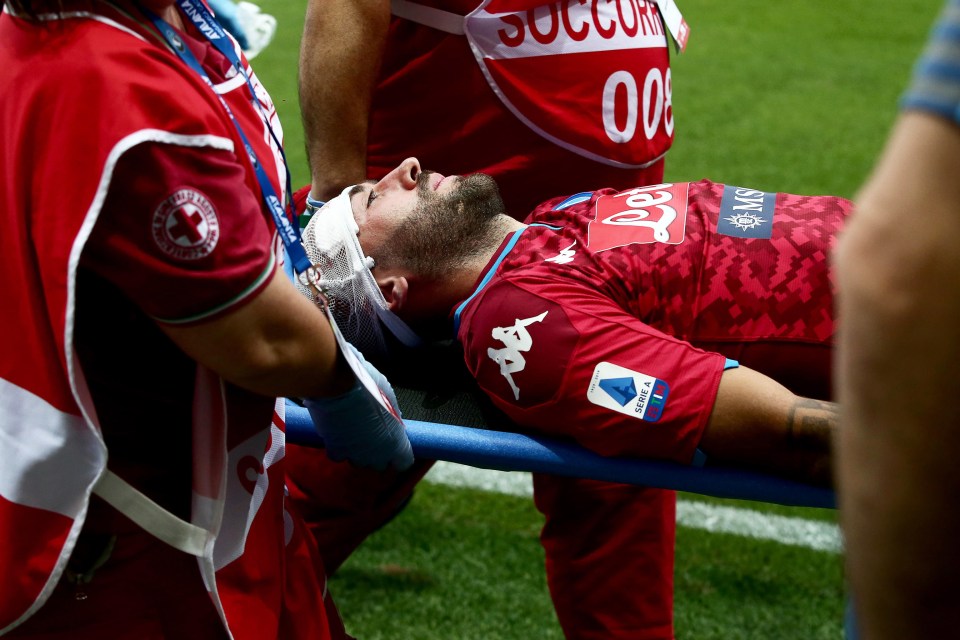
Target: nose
{"x":403,"y":176}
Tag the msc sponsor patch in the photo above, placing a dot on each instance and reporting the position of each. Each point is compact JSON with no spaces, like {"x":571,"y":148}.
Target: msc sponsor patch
{"x":185,"y":225}
{"x":628,"y":392}
{"x":644,"y":215}
{"x":746,"y":213}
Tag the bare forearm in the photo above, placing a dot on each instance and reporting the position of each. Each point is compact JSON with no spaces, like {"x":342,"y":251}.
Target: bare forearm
{"x":899,"y":385}
{"x":897,"y":461}
{"x":339,"y":60}
{"x":804,"y":453}
{"x":759,"y":424}
{"x":811,"y":424}
{"x":278,"y":344}
{"x":811,"y":428}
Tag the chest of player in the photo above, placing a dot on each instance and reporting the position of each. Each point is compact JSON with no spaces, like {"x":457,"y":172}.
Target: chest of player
{"x":643,"y":248}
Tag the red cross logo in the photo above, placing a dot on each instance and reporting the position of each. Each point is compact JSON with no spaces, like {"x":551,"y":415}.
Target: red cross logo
{"x":185,"y":225}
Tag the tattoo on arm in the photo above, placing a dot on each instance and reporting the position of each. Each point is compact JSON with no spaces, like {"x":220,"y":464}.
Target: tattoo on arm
{"x":811,"y":423}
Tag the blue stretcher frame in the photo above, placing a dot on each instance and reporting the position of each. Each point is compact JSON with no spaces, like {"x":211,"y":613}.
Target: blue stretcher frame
{"x":507,"y":451}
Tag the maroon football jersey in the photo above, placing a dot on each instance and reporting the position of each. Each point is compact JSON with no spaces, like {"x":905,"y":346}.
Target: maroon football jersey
{"x":589,"y":323}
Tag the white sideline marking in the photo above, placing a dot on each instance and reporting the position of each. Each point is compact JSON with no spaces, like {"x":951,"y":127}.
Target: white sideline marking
{"x":812,"y":534}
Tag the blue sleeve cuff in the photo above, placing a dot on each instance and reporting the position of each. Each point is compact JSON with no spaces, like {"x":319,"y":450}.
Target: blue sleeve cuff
{"x":699,"y":457}
{"x":313,"y":205}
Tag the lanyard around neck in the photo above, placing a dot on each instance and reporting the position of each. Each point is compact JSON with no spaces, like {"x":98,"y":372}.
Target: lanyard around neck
{"x":211,"y":29}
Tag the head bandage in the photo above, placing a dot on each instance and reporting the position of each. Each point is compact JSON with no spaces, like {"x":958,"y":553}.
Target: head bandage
{"x":355,"y":299}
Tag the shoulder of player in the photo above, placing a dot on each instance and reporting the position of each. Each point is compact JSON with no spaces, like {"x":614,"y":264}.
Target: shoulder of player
{"x":513,"y":330}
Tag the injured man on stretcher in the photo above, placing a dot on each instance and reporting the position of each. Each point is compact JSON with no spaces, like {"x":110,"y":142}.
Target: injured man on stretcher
{"x":686,"y":322}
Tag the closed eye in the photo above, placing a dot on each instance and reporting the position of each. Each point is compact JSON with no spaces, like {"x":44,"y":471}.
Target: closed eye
{"x":358,"y":188}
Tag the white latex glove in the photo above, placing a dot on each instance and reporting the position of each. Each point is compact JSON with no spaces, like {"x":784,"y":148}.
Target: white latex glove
{"x":355,"y":427}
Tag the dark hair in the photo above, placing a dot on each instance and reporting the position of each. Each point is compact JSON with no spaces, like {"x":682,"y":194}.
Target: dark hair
{"x":32,"y":9}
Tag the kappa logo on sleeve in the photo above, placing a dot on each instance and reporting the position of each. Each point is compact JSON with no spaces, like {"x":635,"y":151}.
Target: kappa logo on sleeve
{"x":185,"y":225}
{"x":517,"y":341}
{"x":519,"y":345}
{"x":628,"y":392}
{"x":565,"y":256}
{"x":746,"y":213}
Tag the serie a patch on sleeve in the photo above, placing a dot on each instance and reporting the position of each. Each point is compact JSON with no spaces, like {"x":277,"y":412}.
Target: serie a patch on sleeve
{"x":628,"y":392}
{"x":746,"y":213}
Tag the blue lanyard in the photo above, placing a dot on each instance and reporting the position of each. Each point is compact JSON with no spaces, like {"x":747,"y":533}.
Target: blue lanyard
{"x":211,"y":29}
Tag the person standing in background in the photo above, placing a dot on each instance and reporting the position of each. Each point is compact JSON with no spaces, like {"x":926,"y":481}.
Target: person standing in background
{"x":897,"y":372}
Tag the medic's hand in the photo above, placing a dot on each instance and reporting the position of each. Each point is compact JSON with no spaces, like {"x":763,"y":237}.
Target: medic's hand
{"x":355,"y":427}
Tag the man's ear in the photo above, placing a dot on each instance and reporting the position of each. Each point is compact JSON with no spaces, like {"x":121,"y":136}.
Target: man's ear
{"x":394,"y":290}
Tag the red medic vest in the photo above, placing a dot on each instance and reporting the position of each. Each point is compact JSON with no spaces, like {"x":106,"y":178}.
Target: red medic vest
{"x":591,"y":76}
{"x":52,"y":454}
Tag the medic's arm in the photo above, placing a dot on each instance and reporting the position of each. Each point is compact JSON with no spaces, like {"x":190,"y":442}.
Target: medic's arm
{"x":899,"y":383}
{"x":280,"y":344}
{"x":343,"y":41}
{"x":277,"y":344}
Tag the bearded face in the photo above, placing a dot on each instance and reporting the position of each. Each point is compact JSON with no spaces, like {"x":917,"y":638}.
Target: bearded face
{"x":445,"y":230}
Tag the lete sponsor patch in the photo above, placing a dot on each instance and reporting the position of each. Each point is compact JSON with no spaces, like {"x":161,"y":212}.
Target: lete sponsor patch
{"x":657,"y":213}
{"x":185,"y":225}
{"x":628,"y":392}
